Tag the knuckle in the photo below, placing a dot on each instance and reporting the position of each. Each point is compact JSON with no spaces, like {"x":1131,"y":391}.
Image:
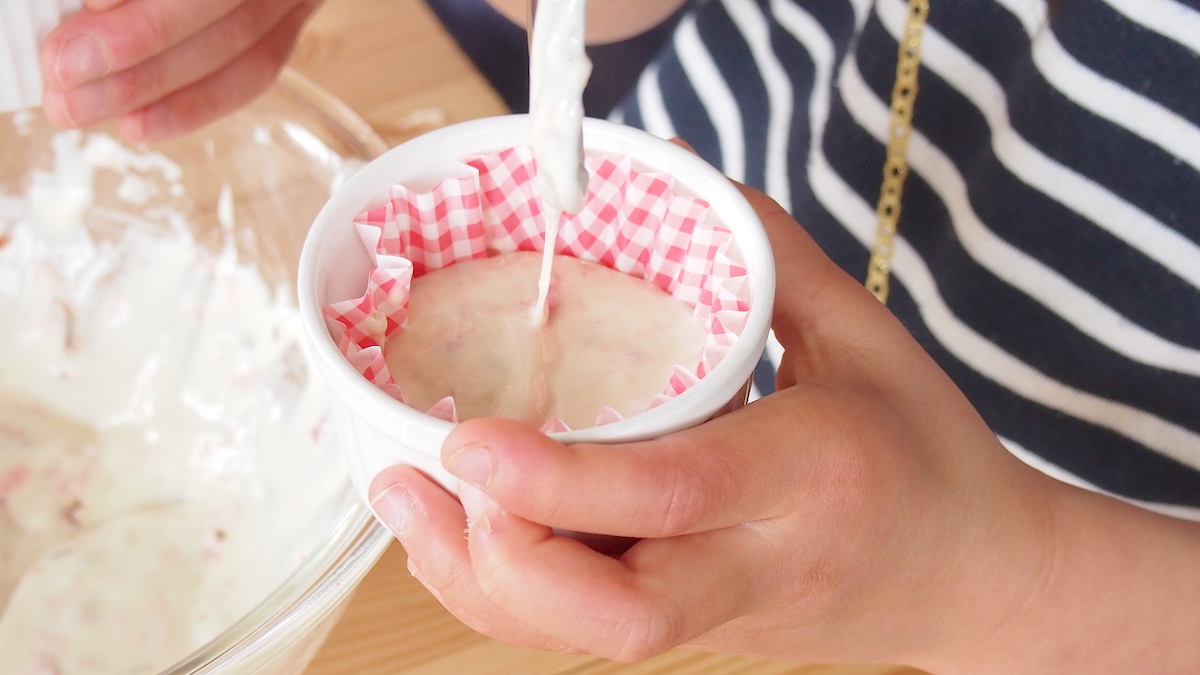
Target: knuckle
{"x":540,"y":485}
{"x":249,"y":23}
{"x":849,"y":471}
{"x":824,"y":580}
{"x":192,"y":108}
{"x":135,"y":86}
{"x":650,"y":632}
{"x":549,"y":502}
{"x":445,"y":580}
{"x":688,"y":492}
{"x":850,"y":486}
{"x":141,"y":35}
{"x":864,"y":463}
{"x":243,"y":28}
{"x":683,"y":505}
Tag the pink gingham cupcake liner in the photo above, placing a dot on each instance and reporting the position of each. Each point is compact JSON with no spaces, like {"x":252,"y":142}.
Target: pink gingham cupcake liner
{"x":631,"y":221}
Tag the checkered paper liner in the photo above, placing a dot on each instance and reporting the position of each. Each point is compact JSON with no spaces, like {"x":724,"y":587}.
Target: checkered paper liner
{"x":632,"y":222}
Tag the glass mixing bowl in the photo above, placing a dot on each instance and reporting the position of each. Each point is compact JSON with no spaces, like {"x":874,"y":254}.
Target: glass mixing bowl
{"x":277,"y":161}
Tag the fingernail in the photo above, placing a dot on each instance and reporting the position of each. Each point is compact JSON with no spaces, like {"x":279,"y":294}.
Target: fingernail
{"x":472,"y":463}
{"x":80,"y":60}
{"x":394,"y":507}
{"x":473,"y":500}
{"x":87,"y":104}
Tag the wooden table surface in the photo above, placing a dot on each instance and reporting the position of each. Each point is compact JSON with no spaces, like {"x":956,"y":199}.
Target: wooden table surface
{"x":391,"y":61}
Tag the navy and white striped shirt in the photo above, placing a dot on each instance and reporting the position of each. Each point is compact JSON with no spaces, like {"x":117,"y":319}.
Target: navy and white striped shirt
{"x":1049,"y":251}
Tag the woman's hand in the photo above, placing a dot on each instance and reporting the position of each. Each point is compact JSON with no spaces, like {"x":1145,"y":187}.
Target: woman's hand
{"x":165,"y":67}
{"x":863,"y":513}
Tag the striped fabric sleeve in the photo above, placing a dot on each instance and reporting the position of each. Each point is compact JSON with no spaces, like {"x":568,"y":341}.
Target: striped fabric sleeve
{"x":1049,"y":256}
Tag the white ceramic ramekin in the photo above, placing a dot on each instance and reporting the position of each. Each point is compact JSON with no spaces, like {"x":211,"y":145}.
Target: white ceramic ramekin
{"x":375,"y":430}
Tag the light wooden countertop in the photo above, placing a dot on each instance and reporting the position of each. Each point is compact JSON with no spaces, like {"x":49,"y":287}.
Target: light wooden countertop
{"x":391,"y":61}
{"x":394,"y":64}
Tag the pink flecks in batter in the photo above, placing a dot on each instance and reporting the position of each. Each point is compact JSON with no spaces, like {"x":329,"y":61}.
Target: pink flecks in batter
{"x":11,"y":480}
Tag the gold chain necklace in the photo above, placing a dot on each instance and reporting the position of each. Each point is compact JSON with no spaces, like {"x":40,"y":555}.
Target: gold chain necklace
{"x":895,"y":168}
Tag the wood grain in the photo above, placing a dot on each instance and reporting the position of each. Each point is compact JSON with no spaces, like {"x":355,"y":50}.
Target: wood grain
{"x":391,"y":61}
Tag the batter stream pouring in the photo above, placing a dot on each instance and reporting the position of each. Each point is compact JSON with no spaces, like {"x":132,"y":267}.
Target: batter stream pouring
{"x":558,"y":73}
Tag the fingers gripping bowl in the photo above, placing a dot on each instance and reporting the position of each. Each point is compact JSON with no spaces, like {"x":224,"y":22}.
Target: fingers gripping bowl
{"x":375,"y":429}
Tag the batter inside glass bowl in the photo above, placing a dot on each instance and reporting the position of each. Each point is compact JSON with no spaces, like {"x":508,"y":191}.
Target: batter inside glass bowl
{"x":165,"y":457}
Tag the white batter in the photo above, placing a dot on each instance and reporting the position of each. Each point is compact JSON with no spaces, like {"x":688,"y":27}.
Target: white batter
{"x":164,"y":458}
{"x":610,"y":340}
{"x":558,"y":73}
